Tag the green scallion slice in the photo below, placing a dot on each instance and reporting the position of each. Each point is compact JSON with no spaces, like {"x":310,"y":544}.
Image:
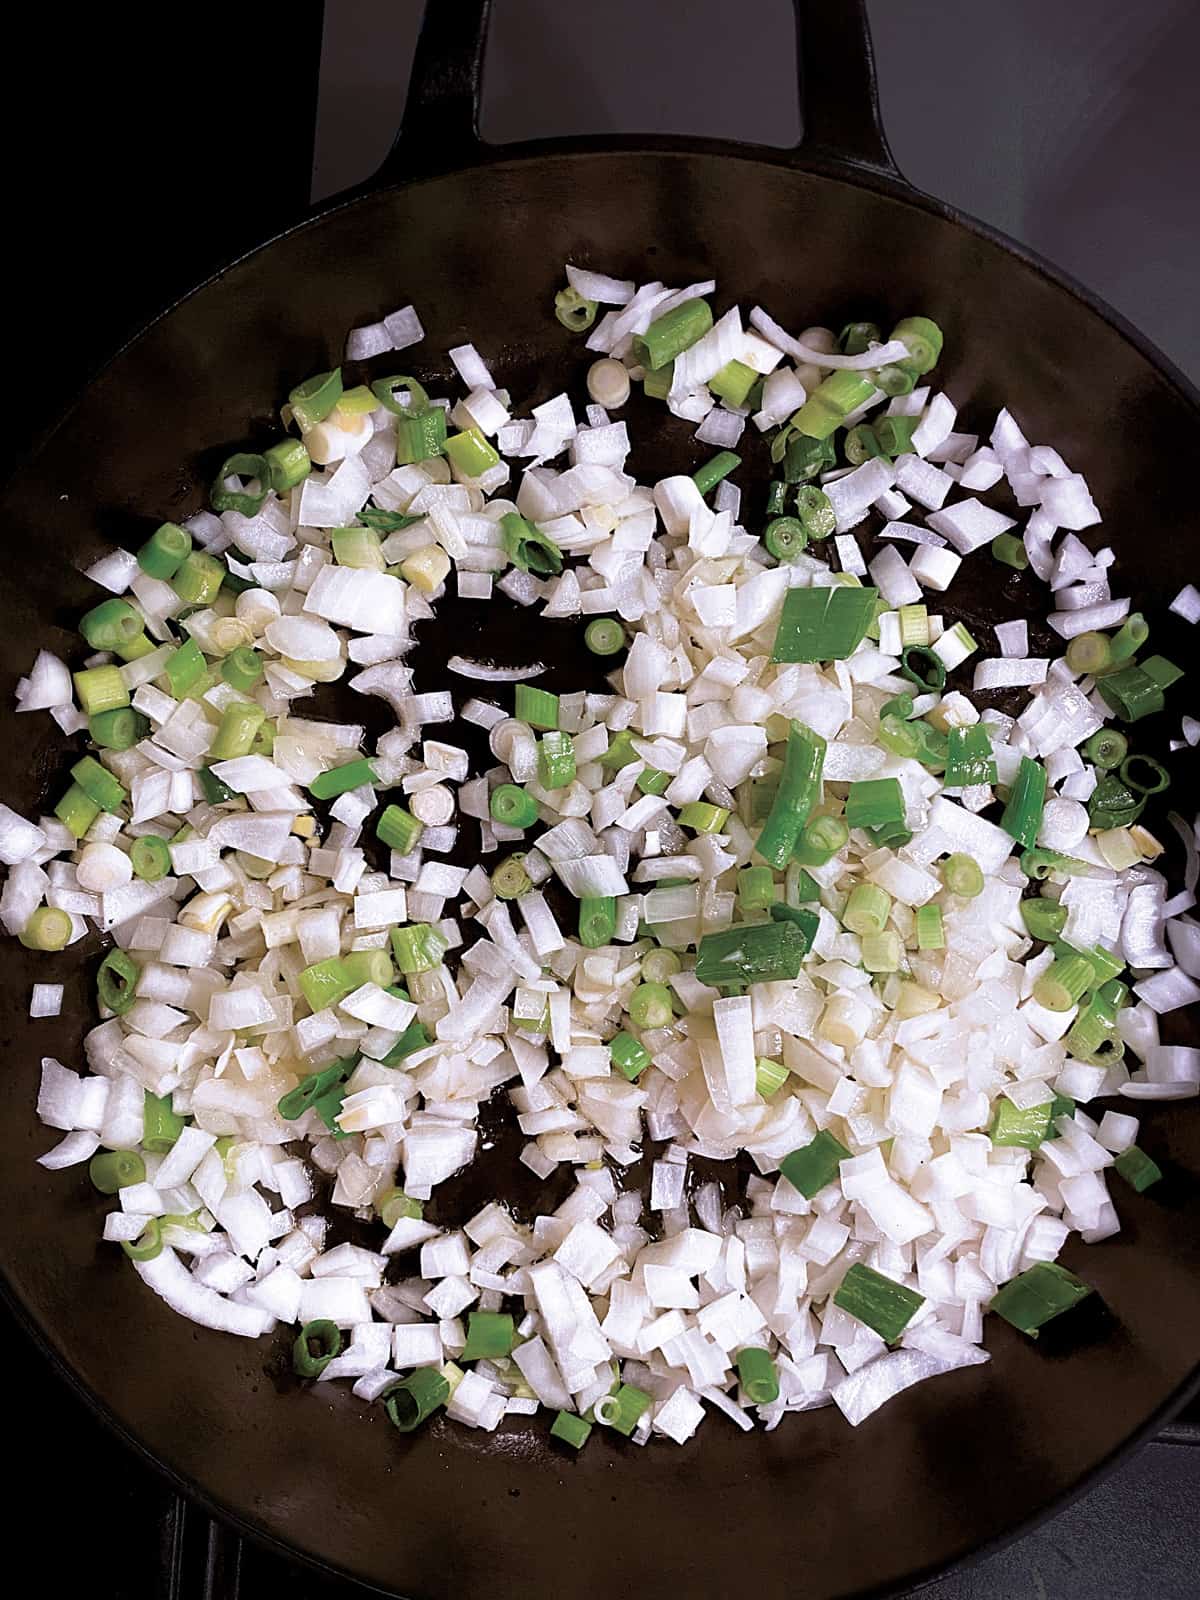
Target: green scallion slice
{"x":825,"y":624}
{"x":815,"y":1165}
{"x":877,"y":1301}
{"x":1041,"y":1292}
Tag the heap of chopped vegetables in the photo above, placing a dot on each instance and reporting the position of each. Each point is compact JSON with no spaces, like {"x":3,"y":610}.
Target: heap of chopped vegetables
{"x":833,"y":907}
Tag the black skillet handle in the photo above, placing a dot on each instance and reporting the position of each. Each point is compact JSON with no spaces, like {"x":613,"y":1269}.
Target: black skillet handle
{"x":839,"y":94}
{"x":839,"y":100}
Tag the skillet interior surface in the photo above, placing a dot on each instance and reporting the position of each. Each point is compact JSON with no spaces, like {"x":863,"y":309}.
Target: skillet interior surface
{"x":942,"y":1470}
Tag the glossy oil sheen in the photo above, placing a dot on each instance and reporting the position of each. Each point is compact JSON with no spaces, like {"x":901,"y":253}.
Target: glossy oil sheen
{"x":815,"y":1508}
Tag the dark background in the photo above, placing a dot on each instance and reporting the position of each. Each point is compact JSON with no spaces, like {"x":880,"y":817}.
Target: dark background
{"x":138,"y":161}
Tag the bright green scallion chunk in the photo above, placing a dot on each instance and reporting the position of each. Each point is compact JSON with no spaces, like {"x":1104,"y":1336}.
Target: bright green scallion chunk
{"x":117,"y":981}
{"x":414,"y":1399}
{"x":710,"y":474}
{"x":650,"y":1006}
{"x":826,"y":624}
{"x":604,"y":636}
{"x":399,"y":829}
{"x":1043,"y":1291}
{"x":670,"y":335}
{"x":490,"y":1335}
{"x":100,"y":689}
{"x":571,"y":1429}
{"x":537,"y":707}
{"x":167,"y":548}
{"x":877,"y":1301}
{"x":111,"y":625}
{"x":511,"y":805}
{"x":769,"y":1077}
{"x":628,"y":1055}
{"x":245,"y":468}
{"x":815,"y":1165}
{"x":1022,"y":816}
{"x":162,"y":1123}
{"x":597,"y":920}
{"x":315,"y":1347}
{"x":758,"y":1375}
{"x":763,"y":952}
{"x":288,"y":464}
{"x":341,"y":780}
{"x":798,"y":791}
{"x":1026,"y":1129}
{"x":529,"y":549}
{"x":325,"y":983}
{"x":1137,"y":1168}
{"x":471,"y":453}
{"x":111,"y":1170}
{"x":417,"y":948}
{"x":622,"y":1410}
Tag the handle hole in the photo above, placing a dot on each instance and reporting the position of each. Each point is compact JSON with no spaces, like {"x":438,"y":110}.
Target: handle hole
{"x":696,"y":70}
{"x":366,"y":57}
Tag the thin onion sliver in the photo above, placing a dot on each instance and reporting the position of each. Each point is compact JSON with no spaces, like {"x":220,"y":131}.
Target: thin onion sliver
{"x":484,"y":673}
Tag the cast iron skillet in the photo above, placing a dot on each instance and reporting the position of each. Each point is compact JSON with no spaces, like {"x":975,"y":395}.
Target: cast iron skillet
{"x":818,"y":234}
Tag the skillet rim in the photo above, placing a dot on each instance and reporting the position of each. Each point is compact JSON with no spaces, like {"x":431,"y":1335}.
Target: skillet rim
{"x":828,"y":168}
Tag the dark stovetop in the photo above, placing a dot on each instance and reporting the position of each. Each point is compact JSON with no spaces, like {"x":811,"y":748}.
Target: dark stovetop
{"x":192,"y":176}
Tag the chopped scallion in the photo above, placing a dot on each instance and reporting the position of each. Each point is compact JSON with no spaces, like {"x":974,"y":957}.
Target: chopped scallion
{"x":490,"y":1335}
{"x":826,"y":624}
{"x":799,"y":790}
{"x":1022,"y":816}
{"x":962,"y":876}
{"x":573,"y":311}
{"x":650,"y":1006}
{"x":761,"y":952}
{"x":867,"y":909}
{"x":1034,"y":1296}
{"x":1043,"y":919}
{"x":930,"y":933}
{"x":417,"y":948}
{"x":313,"y":400}
{"x":315,"y":1347}
{"x":471,"y":453}
{"x":511,"y":805}
{"x":340,"y":780}
{"x":1025,"y":1128}
{"x":815,"y":1165}
{"x":414,"y":1399}
{"x":969,"y":758}
{"x":528,"y":548}
{"x":769,"y":1076}
{"x":629,"y":1056}
{"x":117,"y":981}
{"x":877,"y":1301}
{"x":597,"y":920}
{"x":875,"y":803}
{"x":758,"y":1376}
{"x":604,"y":636}
{"x":674,"y":332}
{"x":710,"y":474}
{"x":1138,"y":1170}
{"x":510,"y":879}
{"x":251,"y":468}
{"x":398,"y":829}
{"x":571,"y":1429}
